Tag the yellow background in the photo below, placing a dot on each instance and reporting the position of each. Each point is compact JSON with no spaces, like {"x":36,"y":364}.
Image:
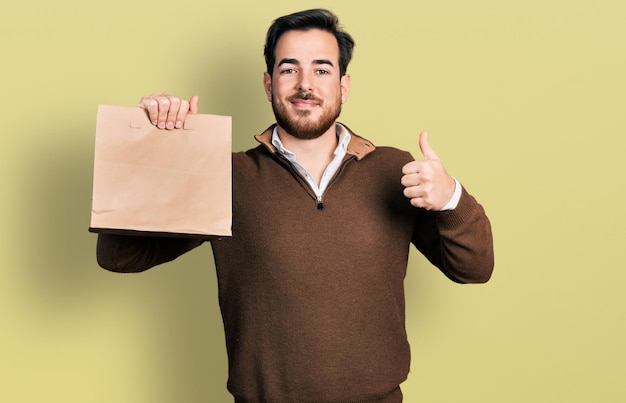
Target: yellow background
{"x":524,"y":103}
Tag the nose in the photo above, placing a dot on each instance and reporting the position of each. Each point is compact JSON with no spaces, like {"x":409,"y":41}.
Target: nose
{"x":305,"y":84}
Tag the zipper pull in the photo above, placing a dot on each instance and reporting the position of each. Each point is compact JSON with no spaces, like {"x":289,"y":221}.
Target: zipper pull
{"x":320,"y":205}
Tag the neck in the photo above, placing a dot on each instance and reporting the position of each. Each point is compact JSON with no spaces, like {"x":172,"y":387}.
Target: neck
{"x":320,"y":147}
{"x":314,"y":154}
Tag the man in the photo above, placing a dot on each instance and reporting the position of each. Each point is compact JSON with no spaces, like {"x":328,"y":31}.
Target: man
{"x":311,"y":281}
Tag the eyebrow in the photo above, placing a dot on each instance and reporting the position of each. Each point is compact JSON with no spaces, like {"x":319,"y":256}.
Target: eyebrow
{"x":297,"y":63}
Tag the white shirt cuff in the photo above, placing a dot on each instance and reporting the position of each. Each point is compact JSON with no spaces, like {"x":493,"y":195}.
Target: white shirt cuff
{"x":456,"y":196}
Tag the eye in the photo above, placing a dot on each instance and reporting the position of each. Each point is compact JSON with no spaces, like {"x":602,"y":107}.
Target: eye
{"x":288,"y":71}
{"x":322,"y":72}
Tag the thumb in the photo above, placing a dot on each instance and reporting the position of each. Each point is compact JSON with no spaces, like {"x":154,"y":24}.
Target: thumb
{"x":427,"y":151}
{"x":193,"y":104}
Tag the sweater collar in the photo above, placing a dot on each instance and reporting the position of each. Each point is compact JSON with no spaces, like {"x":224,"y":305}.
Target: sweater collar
{"x":358,"y":146}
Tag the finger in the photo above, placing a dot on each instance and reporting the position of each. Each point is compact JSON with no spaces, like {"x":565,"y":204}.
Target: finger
{"x":193,"y":104}
{"x":409,"y":180}
{"x":422,"y":189}
{"x":417,"y":202}
{"x":186,"y":108}
{"x":423,"y":168}
{"x":411,"y":168}
{"x":425,"y":148}
{"x":416,"y":198}
{"x":175,"y":104}
{"x":151,"y":106}
{"x":164,"y":108}
{"x":419,"y":198}
{"x":182,"y":112}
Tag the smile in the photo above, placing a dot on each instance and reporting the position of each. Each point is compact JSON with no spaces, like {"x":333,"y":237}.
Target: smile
{"x":304,"y":103}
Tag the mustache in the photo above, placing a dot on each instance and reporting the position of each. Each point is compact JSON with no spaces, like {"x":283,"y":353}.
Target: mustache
{"x":305,"y":96}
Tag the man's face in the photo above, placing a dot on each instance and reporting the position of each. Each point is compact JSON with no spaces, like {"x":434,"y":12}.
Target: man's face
{"x":306,"y":89}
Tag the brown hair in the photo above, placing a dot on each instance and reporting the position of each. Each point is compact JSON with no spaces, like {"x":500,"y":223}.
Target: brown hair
{"x":305,"y":20}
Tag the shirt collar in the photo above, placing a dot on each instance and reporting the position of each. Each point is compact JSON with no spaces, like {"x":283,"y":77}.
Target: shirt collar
{"x":358,"y":146}
{"x":342,"y":133}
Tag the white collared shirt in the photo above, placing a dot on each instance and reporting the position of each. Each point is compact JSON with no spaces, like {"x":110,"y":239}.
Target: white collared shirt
{"x":331,"y":169}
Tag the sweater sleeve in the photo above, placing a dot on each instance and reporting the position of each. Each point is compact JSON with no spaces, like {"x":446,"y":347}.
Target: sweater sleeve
{"x":459,"y":241}
{"x":132,"y":254}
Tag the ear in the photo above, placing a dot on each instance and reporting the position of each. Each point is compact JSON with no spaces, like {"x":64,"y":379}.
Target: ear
{"x":345,"y":87}
{"x":267,"y":84}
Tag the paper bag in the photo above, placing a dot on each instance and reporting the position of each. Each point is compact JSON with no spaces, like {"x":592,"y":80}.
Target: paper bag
{"x":161,"y":182}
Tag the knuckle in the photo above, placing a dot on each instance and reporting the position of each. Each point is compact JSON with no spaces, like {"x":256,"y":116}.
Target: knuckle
{"x":149,"y":102}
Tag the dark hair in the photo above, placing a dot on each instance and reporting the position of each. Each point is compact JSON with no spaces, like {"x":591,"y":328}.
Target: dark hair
{"x":303,"y":21}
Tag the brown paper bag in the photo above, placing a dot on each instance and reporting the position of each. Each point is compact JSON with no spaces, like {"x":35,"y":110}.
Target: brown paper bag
{"x":161,"y":182}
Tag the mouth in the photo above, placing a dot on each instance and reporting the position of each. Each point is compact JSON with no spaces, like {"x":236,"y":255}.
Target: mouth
{"x":304,"y":102}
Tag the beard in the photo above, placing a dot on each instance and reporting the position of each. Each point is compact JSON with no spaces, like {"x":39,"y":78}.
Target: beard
{"x":299,"y":123}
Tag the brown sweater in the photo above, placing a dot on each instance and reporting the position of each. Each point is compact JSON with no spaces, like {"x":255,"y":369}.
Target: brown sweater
{"x":313,"y":300}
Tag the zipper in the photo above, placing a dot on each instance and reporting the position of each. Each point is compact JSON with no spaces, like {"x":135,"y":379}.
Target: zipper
{"x":319,"y":203}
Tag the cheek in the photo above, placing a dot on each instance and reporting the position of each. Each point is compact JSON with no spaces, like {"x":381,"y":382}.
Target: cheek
{"x":277,"y":91}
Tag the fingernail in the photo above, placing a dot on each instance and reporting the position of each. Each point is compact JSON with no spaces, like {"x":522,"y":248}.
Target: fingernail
{"x":179,"y":124}
{"x":169,"y":125}
{"x":161,"y":125}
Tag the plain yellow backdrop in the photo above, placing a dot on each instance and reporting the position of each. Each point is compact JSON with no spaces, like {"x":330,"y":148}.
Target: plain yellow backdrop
{"x":524,"y":103}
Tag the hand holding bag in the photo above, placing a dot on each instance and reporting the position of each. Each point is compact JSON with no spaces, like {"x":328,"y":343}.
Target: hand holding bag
{"x":149,"y":181}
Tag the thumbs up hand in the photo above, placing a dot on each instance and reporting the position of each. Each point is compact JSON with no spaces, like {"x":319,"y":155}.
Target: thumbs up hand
{"x":426,"y":182}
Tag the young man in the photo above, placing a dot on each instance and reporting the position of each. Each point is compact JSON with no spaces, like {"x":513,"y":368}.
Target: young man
{"x":311,"y":282}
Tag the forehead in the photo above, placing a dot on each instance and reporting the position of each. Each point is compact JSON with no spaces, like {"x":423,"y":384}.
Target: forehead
{"x":312,"y":44}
